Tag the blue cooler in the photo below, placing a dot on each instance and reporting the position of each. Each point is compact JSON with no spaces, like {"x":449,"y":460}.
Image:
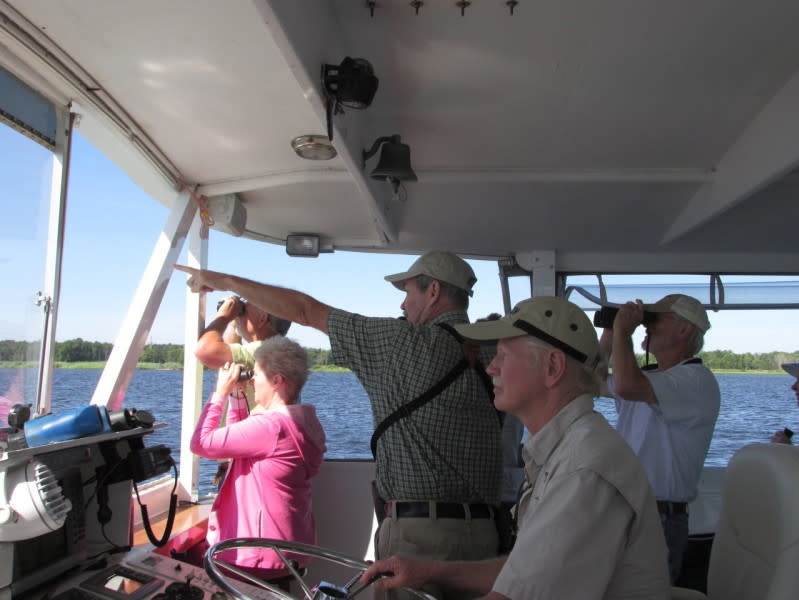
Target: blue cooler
{"x":75,"y":423}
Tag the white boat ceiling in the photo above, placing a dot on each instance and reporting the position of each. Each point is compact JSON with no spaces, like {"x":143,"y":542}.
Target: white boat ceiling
{"x":622,"y":135}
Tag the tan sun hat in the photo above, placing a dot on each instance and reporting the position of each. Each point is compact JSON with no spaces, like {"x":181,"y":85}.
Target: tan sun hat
{"x":687,"y":307}
{"x":791,"y":369}
{"x":439,"y":264}
{"x":556,"y":321}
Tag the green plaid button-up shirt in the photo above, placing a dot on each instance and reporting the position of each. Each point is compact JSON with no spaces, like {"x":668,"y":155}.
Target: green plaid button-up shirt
{"x":446,"y":451}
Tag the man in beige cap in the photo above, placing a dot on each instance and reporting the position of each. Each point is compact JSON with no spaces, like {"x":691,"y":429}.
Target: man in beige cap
{"x":588,"y":527}
{"x":437,"y":439}
{"x":667,"y":411}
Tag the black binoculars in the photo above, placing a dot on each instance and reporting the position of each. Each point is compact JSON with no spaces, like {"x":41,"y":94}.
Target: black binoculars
{"x":243,"y":305}
{"x":604,"y":317}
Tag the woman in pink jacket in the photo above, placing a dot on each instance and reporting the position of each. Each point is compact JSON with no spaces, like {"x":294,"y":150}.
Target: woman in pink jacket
{"x":276,"y":450}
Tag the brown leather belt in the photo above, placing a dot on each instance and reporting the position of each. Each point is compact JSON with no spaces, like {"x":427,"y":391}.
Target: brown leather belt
{"x":672,"y":508}
{"x":443,"y":510}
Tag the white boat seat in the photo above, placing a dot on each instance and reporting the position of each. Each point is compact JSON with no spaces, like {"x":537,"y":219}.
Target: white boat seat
{"x":755,"y":554}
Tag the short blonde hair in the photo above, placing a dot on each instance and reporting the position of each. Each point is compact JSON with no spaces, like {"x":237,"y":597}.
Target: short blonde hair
{"x":279,"y":355}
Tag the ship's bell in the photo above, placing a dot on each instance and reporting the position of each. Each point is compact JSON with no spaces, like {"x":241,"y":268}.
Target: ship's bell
{"x":394,"y":163}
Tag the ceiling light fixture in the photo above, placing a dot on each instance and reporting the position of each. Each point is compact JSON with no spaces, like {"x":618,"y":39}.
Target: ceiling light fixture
{"x":313,"y":147}
{"x":302,"y":244}
{"x":352,"y":84}
{"x":394,"y":165}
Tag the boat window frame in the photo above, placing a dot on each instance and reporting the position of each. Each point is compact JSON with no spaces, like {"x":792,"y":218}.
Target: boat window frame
{"x":30,"y":114}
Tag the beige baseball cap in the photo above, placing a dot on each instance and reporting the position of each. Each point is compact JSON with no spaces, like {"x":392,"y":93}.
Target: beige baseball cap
{"x":442,"y":265}
{"x":687,"y":307}
{"x":556,"y":321}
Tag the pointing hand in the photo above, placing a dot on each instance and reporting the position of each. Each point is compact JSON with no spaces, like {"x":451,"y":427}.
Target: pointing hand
{"x":198,"y":279}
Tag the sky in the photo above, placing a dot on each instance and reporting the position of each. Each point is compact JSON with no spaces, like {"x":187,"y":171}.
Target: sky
{"x":111,"y":229}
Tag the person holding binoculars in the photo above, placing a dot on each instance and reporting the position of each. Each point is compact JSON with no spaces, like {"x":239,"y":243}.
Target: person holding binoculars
{"x":236,"y":320}
{"x":667,"y":411}
{"x":220,"y":342}
{"x":275,"y":450}
{"x":783,"y":436}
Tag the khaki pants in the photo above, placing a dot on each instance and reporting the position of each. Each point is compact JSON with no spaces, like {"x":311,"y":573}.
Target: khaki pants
{"x":435,"y":539}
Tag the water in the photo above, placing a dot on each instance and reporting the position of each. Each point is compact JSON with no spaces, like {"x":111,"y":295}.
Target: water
{"x":752,"y":408}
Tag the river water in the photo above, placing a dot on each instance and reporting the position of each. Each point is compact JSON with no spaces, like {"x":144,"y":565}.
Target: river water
{"x":752,"y":408}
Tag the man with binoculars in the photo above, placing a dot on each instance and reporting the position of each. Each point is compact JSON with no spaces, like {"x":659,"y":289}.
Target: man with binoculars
{"x":236,"y":320}
{"x":667,"y":411}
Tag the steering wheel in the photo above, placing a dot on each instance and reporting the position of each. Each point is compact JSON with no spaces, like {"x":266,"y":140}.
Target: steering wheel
{"x":321,"y":591}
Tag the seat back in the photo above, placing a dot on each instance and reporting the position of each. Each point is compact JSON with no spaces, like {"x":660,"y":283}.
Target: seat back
{"x":755,"y":553}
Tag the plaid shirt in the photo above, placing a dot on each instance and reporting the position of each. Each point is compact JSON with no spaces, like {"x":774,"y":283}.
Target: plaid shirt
{"x":449,"y":449}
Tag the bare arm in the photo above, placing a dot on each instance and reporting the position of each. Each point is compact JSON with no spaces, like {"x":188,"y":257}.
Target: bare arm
{"x":630,"y":382}
{"x":780,"y":437}
{"x":281,"y":302}
{"x":212,"y":349}
{"x":605,"y":352}
{"x":476,"y":577}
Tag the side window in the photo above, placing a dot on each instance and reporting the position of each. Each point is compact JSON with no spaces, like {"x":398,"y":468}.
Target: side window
{"x":25,"y":200}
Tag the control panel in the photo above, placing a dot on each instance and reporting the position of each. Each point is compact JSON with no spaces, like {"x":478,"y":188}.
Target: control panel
{"x":143,"y":575}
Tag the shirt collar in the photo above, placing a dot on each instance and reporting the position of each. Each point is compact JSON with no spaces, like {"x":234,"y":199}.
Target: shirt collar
{"x":451,"y":316}
{"x":538,"y":447}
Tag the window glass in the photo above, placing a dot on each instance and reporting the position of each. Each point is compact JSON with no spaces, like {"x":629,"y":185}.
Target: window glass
{"x":26,"y":174}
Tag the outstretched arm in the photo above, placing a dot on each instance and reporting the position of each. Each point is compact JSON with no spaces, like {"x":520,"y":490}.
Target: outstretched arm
{"x":605,"y":352}
{"x":281,"y":302}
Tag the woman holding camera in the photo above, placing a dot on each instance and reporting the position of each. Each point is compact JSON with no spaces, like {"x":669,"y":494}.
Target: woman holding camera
{"x":276,"y":449}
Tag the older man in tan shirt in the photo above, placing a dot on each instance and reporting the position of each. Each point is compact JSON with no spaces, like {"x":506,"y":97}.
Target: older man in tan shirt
{"x":588,"y":524}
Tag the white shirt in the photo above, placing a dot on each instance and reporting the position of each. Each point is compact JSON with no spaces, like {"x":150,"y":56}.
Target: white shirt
{"x":672,"y":437}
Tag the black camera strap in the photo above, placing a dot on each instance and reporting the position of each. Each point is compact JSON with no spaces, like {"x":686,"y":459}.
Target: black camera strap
{"x":470,"y":359}
{"x":691,"y":361}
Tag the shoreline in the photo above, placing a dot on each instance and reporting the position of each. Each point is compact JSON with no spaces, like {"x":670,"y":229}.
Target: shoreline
{"x":149,"y":366}
{"x":143,"y":366}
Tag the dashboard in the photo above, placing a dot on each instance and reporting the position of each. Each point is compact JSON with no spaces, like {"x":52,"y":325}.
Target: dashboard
{"x":142,"y":575}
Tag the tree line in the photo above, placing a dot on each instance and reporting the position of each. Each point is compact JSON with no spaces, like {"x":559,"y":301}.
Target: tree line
{"x":79,"y":350}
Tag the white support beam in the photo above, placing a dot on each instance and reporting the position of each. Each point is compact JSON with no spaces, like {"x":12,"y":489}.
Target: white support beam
{"x":192,"y":369}
{"x":766,"y":150}
{"x":276,"y":179}
{"x":51,"y":293}
{"x":139,"y":319}
{"x":541,"y":263}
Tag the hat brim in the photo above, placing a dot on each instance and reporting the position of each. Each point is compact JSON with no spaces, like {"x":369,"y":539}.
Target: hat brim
{"x":791,"y":369}
{"x":398,"y":279}
{"x":662,"y":306}
{"x":489,"y":331}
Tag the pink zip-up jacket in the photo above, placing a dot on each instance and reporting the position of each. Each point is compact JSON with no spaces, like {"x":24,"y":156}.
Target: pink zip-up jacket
{"x":267,"y":489}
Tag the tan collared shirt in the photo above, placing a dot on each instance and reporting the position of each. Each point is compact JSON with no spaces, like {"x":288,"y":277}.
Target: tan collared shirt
{"x":588,"y":525}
